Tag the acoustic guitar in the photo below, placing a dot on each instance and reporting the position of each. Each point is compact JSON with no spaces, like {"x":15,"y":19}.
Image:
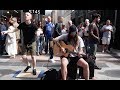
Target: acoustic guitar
{"x":68,"y":49}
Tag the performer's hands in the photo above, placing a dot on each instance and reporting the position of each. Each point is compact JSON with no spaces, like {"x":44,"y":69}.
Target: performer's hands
{"x":63,"y":50}
{"x":80,"y":54}
{"x":53,"y":39}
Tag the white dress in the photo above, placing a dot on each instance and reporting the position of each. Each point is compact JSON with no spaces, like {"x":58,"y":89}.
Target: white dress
{"x":11,"y":48}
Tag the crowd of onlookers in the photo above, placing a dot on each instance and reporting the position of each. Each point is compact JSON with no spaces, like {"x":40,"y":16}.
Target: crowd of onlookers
{"x":44,"y":31}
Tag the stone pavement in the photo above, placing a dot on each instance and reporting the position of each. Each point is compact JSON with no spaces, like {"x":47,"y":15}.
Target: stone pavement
{"x":8,"y":67}
{"x":110,"y":64}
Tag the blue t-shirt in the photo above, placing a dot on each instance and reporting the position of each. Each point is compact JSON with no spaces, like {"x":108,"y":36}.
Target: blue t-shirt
{"x":49,"y":29}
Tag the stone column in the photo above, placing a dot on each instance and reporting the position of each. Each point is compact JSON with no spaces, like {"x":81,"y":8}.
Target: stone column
{"x":22,"y":13}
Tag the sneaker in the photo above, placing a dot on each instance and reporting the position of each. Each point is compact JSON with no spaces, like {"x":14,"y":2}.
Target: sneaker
{"x":38,"y":54}
{"x":96,"y":67}
{"x":93,"y":78}
{"x":103,"y":51}
{"x":26,"y":69}
{"x":52,"y":60}
{"x":34,"y":71}
{"x":107,"y":51}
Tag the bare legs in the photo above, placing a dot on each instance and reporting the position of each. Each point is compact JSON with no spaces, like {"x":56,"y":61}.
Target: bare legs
{"x":25,"y":60}
{"x":81,"y":62}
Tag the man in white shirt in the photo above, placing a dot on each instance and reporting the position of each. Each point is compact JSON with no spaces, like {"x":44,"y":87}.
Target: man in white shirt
{"x":106,"y":29}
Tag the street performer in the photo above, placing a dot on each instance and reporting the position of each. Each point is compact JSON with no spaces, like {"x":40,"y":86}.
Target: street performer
{"x":29,"y":42}
{"x":76,"y":41}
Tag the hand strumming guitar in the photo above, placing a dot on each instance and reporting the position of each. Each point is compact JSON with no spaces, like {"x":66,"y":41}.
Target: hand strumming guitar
{"x":63,"y":50}
{"x":80,"y":54}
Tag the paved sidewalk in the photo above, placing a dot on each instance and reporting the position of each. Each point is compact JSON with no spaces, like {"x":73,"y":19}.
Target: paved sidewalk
{"x":8,"y":67}
{"x":109,"y":62}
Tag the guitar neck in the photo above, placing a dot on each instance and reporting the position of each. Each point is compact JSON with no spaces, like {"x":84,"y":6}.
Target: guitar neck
{"x":58,"y":44}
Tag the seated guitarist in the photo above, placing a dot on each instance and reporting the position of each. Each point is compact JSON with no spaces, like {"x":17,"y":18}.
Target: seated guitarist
{"x":73,"y":39}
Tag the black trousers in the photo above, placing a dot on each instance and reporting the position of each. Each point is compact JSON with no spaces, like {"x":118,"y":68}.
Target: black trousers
{"x":48,"y":40}
{"x":2,"y":46}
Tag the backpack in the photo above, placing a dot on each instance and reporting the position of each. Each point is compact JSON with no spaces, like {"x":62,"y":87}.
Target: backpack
{"x":51,"y":74}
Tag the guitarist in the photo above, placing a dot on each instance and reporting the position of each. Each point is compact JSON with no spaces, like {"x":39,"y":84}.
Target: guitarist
{"x":73,"y":39}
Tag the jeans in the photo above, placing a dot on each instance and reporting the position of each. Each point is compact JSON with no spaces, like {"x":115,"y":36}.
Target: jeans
{"x":47,"y":41}
{"x":86,"y":42}
{"x":93,"y":50}
{"x":39,"y":44}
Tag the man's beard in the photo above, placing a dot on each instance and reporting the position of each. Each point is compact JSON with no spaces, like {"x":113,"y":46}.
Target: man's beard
{"x":97,"y":22}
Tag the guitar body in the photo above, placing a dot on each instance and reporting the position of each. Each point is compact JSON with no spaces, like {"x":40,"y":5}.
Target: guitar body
{"x":57,"y":51}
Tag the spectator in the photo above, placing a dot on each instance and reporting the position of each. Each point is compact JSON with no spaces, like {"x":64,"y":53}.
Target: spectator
{"x":94,"y":37}
{"x":49,"y":29}
{"x":86,"y":35}
{"x":81,"y":30}
{"x":107,"y":30}
{"x":40,"y":39}
{"x":64,"y":29}
{"x":58,"y":27}
{"x":29,"y":42}
{"x":10,"y":43}
{"x":2,"y":37}
{"x":15,"y":24}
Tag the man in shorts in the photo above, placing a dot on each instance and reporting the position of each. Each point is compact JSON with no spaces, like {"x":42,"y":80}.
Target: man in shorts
{"x":29,"y":42}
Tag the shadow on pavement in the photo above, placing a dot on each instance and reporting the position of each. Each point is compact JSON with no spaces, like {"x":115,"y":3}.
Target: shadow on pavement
{"x":49,"y":64}
{"x":111,"y":73}
{"x":105,"y":56}
{"x":112,"y":53}
{"x":117,"y":62}
{"x":5,"y":56}
{"x":4,"y":72}
{"x":46,"y":60}
{"x":28,"y":78}
{"x":102,"y":65}
{"x":115,"y":55}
